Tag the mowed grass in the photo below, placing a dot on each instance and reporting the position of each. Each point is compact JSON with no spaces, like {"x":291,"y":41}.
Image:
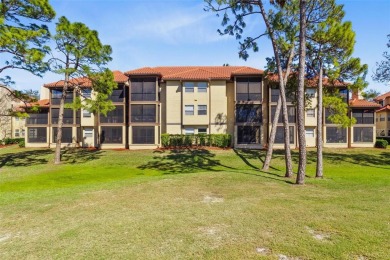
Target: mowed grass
{"x":192,"y":204}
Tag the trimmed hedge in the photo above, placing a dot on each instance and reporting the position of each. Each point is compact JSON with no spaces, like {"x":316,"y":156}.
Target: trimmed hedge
{"x":384,"y":138}
{"x":381,"y":143}
{"x":8,"y":141}
{"x":215,"y":140}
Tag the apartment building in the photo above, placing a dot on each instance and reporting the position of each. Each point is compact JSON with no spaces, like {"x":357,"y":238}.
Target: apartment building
{"x":383,"y":115}
{"x":235,"y":100}
{"x":10,"y":126}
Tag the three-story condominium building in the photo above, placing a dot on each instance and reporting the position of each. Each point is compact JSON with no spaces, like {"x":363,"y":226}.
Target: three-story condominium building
{"x":235,"y":100}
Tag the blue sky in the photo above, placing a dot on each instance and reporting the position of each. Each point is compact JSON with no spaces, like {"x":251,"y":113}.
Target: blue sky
{"x":178,"y":32}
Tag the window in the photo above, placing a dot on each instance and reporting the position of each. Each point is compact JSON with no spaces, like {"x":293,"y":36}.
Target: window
{"x":37,"y":134}
{"x":309,"y":132}
{"x":248,"y":89}
{"x":16,"y":132}
{"x":23,"y":132}
{"x":118,"y":94}
{"x":311,"y":112}
{"x":290,"y":112}
{"x":202,"y":86}
{"x":279,"y":137}
{"x":143,"y":113}
{"x":382,"y":118}
{"x":310,"y":92}
{"x":88,"y":132}
{"x":363,"y":116}
{"x":111,"y":135}
{"x":56,"y":95}
{"x":66,"y":135}
{"x":189,"y":110}
{"x":143,"y":135}
{"x":248,"y":114}
{"x":344,"y":94}
{"x":143,"y":89}
{"x":336,"y":135}
{"x":37,"y":119}
{"x":275,"y":95}
{"x":86,"y":113}
{"x":86,"y":92}
{"x":67,"y":118}
{"x":115,"y":116}
{"x":363,"y":134}
{"x":248,"y":134}
{"x":202,"y":109}
{"x":202,"y":130}
{"x":189,"y":87}
{"x":189,"y":131}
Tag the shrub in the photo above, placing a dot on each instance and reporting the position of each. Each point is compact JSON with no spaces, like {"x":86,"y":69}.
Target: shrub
{"x":8,"y":141}
{"x":22,"y":143}
{"x":381,"y":143}
{"x":179,"y":140}
{"x":384,"y":138}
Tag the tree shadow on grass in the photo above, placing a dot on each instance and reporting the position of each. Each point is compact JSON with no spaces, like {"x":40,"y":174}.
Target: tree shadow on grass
{"x":40,"y":156}
{"x":80,"y":155}
{"x":185,"y":161}
{"x":25,"y":158}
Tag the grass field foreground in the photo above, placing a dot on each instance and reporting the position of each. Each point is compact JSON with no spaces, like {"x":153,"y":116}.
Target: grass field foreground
{"x":214,"y":204}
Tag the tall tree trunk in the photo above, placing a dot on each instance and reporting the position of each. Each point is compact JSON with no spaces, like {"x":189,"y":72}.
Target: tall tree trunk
{"x":57,"y":159}
{"x":301,"y":95}
{"x":319,"y":169}
{"x":282,"y":96}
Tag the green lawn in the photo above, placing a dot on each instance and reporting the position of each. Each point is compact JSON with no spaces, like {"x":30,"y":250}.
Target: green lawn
{"x":192,"y":204}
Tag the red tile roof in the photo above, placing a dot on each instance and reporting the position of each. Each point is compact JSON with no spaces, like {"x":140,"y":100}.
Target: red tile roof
{"x":39,"y":103}
{"x":119,"y":77}
{"x":383,"y":96}
{"x":363,"y":103}
{"x":195,"y":72}
{"x":313,"y":82}
{"x":385,"y":108}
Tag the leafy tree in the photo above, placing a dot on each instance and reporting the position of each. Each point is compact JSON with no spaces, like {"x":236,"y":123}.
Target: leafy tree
{"x":22,"y":45}
{"x":240,"y":9}
{"x":81,"y":54}
{"x":382,"y":72}
{"x":370,"y":94}
{"x":22,"y":40}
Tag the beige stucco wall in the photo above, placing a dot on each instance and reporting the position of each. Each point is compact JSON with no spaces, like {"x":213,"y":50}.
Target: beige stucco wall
{"x":218,"y":107}
{"x":230,"y":108}
{"x":173,"y":107}
{"x":196,"y":98}
{"x":382,"y":125}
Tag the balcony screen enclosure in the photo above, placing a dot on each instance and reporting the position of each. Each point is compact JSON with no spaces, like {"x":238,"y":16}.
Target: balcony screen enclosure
{"x":37,"y":135}
{"x":143,"y":113}
{"x":363,"y":134}
{"x":248,"y":89}
{"x":363,"y":116}
{"x":248,"y":113}
{"x":143,"y":134}
{"x":115,"y":116}
{"x":68,"y":116}
{"x":336,"y":135}
{"x":66,"y":135}
{"x":37,"y":119}
{"x":279,"y":137}
{"x":143,"y":89}
{"x":248,"y":134}
{"x":111,"y":135}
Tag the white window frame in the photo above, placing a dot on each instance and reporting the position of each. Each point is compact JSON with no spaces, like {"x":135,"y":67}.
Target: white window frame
{"x":189,"y":89}
{"x":309,"y":114}
{"x":85,"y":93}
{"x":203,"y":106}
{"x":310,"y":133}
{"x":88,"y":132}
{"x":202,"y":90}
{"x":17,"y":133}
{"x":189,"y":131}
{"x":86,"y":113}
{"x":189,"y":110}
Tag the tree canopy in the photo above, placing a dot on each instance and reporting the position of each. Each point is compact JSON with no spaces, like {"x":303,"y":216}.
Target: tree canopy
{"x":382,"y":72}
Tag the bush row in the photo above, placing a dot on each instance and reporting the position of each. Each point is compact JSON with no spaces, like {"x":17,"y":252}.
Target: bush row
{"x":381,"y":143}
{"x":8,"y":141}
{"x":216,"y":140}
